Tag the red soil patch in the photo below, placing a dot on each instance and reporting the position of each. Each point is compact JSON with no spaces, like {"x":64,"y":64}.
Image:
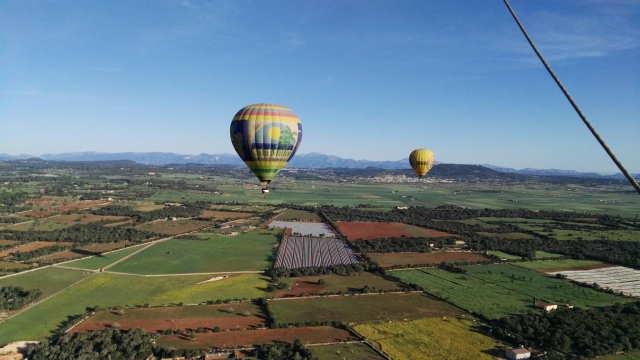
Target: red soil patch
{"x":301,"y":286}
{"x":391,"y":259}
{"x":175,"y":324}
{"x":248,"y":338}
{"x":69,"y":254}
{"x":37,"y":214}
{"x":8,"y":242}
{"x":32,"y":246}
{"x":40,"y":202}
{"x":584,"y":267}
{"x":377,"y":230}
{"x":222,"y":215}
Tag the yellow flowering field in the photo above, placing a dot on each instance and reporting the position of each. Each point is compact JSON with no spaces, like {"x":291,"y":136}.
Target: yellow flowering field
{"x":434,"y":338}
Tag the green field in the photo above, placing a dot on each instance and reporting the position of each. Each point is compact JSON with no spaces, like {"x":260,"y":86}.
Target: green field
{"x":360,"y":308}
{"x":251,"y":251}
{"x":102,"y":260}
{"x":504,"y":255}
{"x":356,"y":351}
{"x":38,"y":322}
{"x":432,"y":339}
{"x":532,"y":284}
{"x":179,"y":312}
{"x":547,"y":255}
{"x":293,"y":214}
{"x":49,"y":280}
{"x":469,"y":293}
{"x":555,"y":264}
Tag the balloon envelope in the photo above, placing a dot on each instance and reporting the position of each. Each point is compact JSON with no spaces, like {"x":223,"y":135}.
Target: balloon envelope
{"x":266,"y":136}
{"x":422,"y":161}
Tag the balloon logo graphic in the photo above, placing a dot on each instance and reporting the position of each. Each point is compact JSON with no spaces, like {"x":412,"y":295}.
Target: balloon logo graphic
{"x":266,"y":136}
{"x":422,"y":161}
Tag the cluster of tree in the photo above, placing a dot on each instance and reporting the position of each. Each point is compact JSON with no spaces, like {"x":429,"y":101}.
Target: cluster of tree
{"x":454,"y":268}
{"x":190,"y":209}
{"x":13,"y":198}
{"x":616,"y":252}
{"x":28,"y":255}
{"x":589,"y":333}
{"x":285,"y":351}
{"x":82,"y":234}
{"x":280,"y":285}
{"x":15,"y":297}
{"x":401,"y":244}
{"x":10,"y":220}
{"x":109,"y":344}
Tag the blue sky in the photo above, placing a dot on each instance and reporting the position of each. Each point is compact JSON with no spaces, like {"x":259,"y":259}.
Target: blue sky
{"x":368,"y":79}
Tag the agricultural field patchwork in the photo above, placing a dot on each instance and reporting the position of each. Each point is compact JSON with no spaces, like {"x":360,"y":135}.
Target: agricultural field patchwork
{"x":297,"y":251}
{"x":224,"y":215}
{"x":433,"y":339}
{"x":361,"y":308}
{"x":38,"y":322}
{"x":252,"y":251}
{"x":616,"y":278}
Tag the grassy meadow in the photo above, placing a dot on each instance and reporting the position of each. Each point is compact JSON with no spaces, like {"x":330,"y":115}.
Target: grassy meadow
{"x":251,"y":251}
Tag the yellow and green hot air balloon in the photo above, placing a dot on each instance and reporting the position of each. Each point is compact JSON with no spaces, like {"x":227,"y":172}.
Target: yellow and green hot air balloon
{"x":266,"y":136}
{"x":422,"y":161}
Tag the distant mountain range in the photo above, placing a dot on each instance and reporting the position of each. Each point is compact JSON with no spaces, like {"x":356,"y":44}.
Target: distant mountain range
{"x":310,"y":160}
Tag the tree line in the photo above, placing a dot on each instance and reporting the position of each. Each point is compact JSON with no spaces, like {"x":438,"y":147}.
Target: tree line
{"x":81,"y":234}
{"x":583,"y":333}
{"x":188,"y":210}
{"x":15,"y":297}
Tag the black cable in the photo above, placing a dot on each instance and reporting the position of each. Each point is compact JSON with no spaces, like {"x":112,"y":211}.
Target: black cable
{"x":573,"y":103}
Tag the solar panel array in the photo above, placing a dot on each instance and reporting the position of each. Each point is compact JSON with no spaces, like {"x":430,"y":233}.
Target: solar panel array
{"x":304,"y":251}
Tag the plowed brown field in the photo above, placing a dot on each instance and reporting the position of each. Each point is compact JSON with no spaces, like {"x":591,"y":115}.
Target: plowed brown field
{"x":32,"y":246}
{"x":174,"y":324}
{"x":247,"y":338}
{"x":376,"y":230}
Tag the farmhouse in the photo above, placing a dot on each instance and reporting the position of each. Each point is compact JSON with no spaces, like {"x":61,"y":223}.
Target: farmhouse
{"x":547,"y":306}
{"x":518,"y":353}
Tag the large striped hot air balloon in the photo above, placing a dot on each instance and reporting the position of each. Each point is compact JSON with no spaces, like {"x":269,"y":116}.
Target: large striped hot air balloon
{"x":422,"y":161}
{"x":266,"y":136}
